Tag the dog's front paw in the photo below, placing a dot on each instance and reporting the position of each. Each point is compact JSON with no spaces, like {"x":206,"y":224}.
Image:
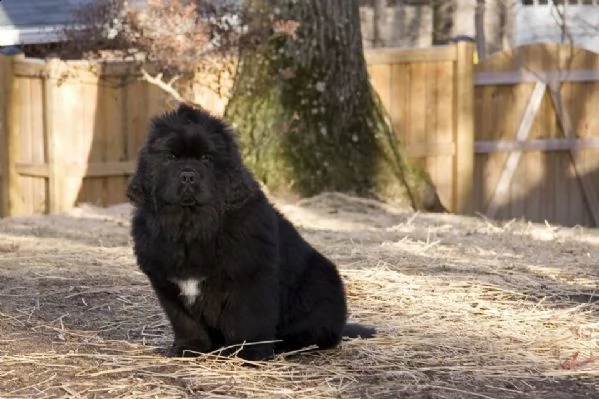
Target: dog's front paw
{"x":258,"y":352}
{"x":174,"y":351}
{"x":185,"y":349}
{"x":249,"y":352}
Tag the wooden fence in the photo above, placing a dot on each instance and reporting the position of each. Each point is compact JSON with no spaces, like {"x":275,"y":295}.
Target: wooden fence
{"x":537,"y":135}
{"x":429,"y":96}
{"x":70,"y":131}
{"x":512,"y":136}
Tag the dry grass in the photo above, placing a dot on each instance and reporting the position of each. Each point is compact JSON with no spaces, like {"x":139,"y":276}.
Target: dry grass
{"x":466,"y":308}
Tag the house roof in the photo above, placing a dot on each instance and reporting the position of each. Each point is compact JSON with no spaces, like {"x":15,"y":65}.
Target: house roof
{"x":34,"y":21}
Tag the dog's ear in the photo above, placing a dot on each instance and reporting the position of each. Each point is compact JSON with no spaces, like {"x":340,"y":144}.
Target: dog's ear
{"x":239,"y":185}
{"x":137,"y":192}
{"x":189,"y":113}
{"x":240,"y":188}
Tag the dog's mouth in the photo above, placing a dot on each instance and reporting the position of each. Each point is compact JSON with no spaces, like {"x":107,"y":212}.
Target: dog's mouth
{"x":188,"y":201}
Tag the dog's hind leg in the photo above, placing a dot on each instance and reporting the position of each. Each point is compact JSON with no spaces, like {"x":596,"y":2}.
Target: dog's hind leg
{"x":316,"y":312}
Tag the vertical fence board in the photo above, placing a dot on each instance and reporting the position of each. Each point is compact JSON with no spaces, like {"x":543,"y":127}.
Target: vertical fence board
{"x":136,"y":118}
{"x":483,"y":114}
{"x":464,"y":127}
{"x":115,"y":144}
{"x":533,"y":175}
{"x":87,"y":141}
{"x":415,"y":135}
{"x":4,"y":100}
{"x":562,"y":192}
{"x":40,"y":199}
{"x":397,"y":107}
{"x":380,"y":78}
{"x":54,"y":154}
{"x":546,"y":130}
{"x":444,"y":131}
{"x":157,"y":100}
{"x":518,"y":188}
{"x":588,"y":126}
{"x":75,"y":142}
{"x":13,"y":102}
{"x":576,"y":213}
{"x":95,"y":187}
{"x":26,"y":139}
{"x":429,"y":138}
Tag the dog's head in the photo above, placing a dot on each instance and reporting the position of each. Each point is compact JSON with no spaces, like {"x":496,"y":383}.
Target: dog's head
{"x":190,"y":161}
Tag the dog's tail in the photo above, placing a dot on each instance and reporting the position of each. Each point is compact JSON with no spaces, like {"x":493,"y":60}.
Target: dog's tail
{"x":355,"y":330}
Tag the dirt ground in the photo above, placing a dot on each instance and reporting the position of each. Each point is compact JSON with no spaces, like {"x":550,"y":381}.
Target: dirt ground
{"x":465,"y":308}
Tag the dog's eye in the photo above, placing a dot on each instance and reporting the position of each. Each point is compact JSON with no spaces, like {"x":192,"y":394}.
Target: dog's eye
{"x":171,"y":156}
{"x":204,"y":157}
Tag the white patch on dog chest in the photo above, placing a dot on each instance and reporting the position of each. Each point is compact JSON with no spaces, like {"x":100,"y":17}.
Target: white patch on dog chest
{"x":190,"y":289}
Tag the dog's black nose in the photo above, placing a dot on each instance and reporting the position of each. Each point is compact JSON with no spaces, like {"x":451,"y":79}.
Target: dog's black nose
{"x":187,"y":177}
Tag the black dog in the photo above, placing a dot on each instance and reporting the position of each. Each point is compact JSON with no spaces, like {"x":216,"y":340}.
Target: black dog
{"x":227,"y":268}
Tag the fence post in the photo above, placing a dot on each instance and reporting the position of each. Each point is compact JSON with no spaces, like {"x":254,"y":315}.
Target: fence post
{"x":11,"y":202}
{"x":54,"y":159}
{"x":463,"y":129}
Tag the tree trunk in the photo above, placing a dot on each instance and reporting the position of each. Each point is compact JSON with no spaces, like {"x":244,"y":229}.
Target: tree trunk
{"x":379,"y":10}
{"x":479,"y":27}
{"x":306,"y":114}
{"x":443,"y":20}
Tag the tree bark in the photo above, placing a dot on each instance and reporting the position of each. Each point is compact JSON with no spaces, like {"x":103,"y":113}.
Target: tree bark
{"x":307,"y":117}
{"x":379,"y":9}
{"x":479,"y":27}
{"x":443,"y":20}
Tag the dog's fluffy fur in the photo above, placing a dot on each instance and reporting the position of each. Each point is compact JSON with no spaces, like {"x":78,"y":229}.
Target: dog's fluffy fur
{"x":226,"y":266}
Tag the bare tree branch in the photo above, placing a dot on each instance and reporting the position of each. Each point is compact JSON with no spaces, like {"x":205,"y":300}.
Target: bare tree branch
{"x":167,"y":87}
{"x":179,"y":38}
{"x":562,"y":20}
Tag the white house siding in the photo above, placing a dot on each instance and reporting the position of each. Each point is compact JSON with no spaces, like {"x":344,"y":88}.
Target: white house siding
{"x":402,"y":26}
{"x":539,"y":22}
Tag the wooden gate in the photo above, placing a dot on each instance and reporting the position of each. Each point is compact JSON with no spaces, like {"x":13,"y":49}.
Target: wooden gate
{"x":537,"y":135}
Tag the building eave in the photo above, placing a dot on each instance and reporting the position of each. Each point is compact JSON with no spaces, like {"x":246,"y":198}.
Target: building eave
{"x":13,"y":35}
